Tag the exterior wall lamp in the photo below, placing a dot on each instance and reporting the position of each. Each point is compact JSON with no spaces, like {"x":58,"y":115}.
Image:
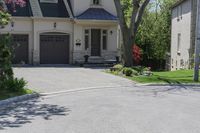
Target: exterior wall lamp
{"x":55,"y":25}
{"x":12,"y":24}
{"x":111,"y":32}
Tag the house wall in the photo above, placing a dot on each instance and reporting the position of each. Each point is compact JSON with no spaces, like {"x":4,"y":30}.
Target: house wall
{"x":79,"y":6}
{"x":181,"y":24}
{"x":47,"y":25}
{"x":21,"y":26}
{"x":36,"y":26}
{"x":112,"y":42}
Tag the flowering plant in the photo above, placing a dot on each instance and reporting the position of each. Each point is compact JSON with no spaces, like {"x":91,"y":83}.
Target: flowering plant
{"x":137,"y":54}
{"x":13,"y":3}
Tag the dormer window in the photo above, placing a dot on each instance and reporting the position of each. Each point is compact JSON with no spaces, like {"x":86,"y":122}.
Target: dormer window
{"x":96,"y":2}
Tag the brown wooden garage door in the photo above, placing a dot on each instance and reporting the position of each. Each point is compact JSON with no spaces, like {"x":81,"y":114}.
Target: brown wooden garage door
{"x":20,"y":52}
{"x":54,"y":49}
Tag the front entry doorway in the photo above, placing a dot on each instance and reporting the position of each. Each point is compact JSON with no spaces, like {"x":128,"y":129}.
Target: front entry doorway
{"x":95,"y":42}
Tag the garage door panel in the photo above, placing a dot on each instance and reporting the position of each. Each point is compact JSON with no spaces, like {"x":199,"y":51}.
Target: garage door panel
{"x":20,"y":52}
{"x":54,"y":49}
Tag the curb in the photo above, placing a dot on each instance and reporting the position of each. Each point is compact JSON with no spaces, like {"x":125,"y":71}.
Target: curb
{"x":79,"y":90}
{"x":18,"y":99}
{"x":153,"y":84}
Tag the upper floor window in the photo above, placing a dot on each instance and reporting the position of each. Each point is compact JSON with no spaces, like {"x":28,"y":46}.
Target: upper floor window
{"x":96,"y":2}
{"x":179,"y":44}
{"x":179,"y":13}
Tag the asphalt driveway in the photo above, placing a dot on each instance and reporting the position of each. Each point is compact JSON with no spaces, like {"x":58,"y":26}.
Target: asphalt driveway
{"x":54,"y":79}
{"x":114,"y":109}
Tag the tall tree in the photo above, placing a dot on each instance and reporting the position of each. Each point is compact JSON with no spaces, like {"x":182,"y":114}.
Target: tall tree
{"x":129,"y":27}
{"x":154,"y":34}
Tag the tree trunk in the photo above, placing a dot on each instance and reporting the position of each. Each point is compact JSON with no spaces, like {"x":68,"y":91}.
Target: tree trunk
{"x":127,"y":50}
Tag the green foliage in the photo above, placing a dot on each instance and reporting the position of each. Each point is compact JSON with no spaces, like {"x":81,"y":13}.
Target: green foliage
{"x":154,"y":32}
{"x":4,"y":18}
{"x":135,"y":72}
{"x":171,"y":77}
{"x":13,"y":85}
{"x":127,"y":7}
{"x":118,"y":67}
{"x":6,"y":72}
{"x":7,"y":80}
{"x":139,"y":69}
{"x":128,"y":71}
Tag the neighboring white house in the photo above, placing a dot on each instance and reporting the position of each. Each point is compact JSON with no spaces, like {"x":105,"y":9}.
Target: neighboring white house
{"x":64,"y":31}
{"x":183,"y":34}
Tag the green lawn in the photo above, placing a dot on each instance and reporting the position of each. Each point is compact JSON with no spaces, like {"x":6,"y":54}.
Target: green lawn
{"x":7,"y":94}
{"x":174,"y":77}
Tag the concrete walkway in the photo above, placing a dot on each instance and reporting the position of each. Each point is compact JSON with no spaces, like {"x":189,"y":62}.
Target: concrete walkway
{"x":54,"y":79}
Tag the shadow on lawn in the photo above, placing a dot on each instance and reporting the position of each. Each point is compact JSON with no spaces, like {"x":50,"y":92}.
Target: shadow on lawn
{"x":22,"y":113}
{"x":169,"y":81}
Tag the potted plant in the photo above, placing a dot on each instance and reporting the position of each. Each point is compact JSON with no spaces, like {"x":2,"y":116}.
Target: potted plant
{"x":86,"y":58}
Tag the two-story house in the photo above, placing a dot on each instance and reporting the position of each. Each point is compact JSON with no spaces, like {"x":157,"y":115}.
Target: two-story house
{"x":64,"y":31}
{"x":183,"y":34}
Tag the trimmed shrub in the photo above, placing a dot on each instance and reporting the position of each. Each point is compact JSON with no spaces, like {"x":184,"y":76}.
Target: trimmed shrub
{"x":13,"y":85}
{"x":128,"y":71}
{"x":135,"y":72}
{"x":117,"y":67}
{"x":6,"y":72}
{"x":139,"y":69}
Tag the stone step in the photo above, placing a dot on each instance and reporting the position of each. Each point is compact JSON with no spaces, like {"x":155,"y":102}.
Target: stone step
{"x":96,"y":60}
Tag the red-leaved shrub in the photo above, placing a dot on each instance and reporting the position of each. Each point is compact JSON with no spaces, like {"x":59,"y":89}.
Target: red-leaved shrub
{"x":137,"y":54}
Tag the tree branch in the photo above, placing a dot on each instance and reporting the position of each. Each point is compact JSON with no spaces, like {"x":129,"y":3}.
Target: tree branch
{"x":136,"y":7}
{"x":121,"y":16}
{"x":140,"y":13}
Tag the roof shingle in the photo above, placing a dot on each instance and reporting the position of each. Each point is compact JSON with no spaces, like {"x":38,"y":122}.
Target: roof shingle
{"x":54,"y":9}
{"x":96,"y":14}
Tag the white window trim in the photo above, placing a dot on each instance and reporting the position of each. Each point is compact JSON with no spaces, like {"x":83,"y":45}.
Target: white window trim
{"x":90,"y":28}
{"x":89,"y":36}
{"x":179,"y":43}
{"x":95,"y":5}
{"x":102,"y":35}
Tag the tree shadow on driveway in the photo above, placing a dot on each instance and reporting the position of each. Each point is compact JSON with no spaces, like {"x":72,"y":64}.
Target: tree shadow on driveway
{"x":22,"y":113}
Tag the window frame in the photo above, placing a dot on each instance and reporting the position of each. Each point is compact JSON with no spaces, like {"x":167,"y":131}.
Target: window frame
{"x":87,"y":47}
{"x":102,"y":36}
{"x":98,"y":4}
{"x":179,"y":43}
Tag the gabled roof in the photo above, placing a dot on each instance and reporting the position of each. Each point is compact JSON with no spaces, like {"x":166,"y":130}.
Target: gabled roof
{"x":70,"y":6}
{"x":20,"y":11}
{"x":96,"y":14}
{"x":47,"y":9}
{"x":54,"y":9}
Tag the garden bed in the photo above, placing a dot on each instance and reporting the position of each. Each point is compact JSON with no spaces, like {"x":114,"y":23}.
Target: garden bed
{"x":143,"y":75}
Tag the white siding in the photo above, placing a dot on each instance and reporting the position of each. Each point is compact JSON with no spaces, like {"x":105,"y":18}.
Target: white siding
{"x":181,"y":25}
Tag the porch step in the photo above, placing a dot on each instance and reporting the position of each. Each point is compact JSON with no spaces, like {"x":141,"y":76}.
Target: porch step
{"x":96,"y":60}
{"x":97,"y":65}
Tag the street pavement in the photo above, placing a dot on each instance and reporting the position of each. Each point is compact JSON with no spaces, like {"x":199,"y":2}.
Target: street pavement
{"x":128,"y":108}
